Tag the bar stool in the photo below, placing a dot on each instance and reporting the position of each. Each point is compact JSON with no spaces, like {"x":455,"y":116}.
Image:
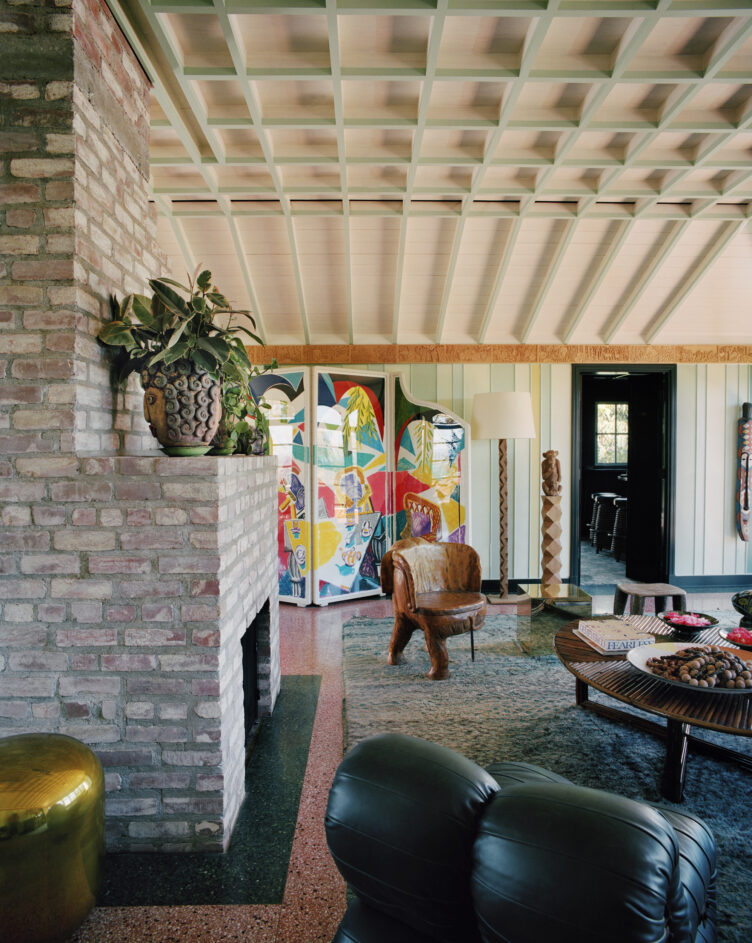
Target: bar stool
{"x":604,"y":521}
{"x":597,"y":497}
{"x":619,"y":531}
{"x":639,"y":592}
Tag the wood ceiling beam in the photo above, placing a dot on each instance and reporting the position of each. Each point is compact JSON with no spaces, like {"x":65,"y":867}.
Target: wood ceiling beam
{"x":449,"y":278}
{"x":504,"y":258}
{"x":500,"y":8}
{"x":339,"y":119}
{"x":432,"y":58}
{"x":254,"y":110}
{"x":178,"y":230}
{"x":533,"y":40}
{"x":481,"y":210}
{"x":178,"y":124}
{"x":299,"y":354}
{"x":557,"y":258}
{"x":641,"y":283}
{"x":716,"y":246}
{"x":596,"y":278}
{"x":633,"y":38}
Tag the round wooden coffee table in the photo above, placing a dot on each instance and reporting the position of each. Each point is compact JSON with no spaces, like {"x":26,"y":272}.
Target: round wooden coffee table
{"x":682,"y":708}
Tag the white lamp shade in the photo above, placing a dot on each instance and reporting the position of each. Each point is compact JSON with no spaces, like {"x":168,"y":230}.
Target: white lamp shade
{"x":503,"y":416}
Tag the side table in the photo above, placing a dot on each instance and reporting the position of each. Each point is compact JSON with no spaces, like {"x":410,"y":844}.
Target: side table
{"x":543,"y":610}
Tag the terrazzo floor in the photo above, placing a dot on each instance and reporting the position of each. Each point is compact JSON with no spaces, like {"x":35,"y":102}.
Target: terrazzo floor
{"x":311,"y":899}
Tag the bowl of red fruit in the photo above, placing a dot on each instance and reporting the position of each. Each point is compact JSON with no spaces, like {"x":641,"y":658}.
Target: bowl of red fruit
{"x":687,"y":623}
{"x":739,"y":636}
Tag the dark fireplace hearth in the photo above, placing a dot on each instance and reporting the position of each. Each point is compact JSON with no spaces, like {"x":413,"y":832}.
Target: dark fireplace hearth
{"x":259,"y":628}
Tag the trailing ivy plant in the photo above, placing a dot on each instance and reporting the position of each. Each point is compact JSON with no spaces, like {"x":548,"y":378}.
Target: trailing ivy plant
{"x":168,"y":327}
{"x":238,"y":406}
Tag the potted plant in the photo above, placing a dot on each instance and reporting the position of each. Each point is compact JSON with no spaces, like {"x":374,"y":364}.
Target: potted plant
{"x":244,"y":427}
{"x":182,"y":355}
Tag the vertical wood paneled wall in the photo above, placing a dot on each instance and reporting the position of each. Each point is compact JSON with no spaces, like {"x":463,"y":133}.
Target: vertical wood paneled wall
{"x":709,"y":398}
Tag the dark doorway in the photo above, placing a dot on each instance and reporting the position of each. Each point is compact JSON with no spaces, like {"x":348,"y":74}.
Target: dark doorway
{"x":623,"y":434}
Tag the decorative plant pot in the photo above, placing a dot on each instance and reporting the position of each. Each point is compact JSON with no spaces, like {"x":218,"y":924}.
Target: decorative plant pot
{"x":182,"y":406}
{"x":222,"y":444}
{"x":742,"y":602}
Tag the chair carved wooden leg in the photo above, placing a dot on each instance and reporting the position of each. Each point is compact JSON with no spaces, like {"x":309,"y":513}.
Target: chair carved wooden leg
{"x":401,"y":634}
{"x":439,"y":656}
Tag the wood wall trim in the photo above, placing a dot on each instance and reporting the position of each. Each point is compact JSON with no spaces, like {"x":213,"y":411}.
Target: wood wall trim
{"x":504,"y":353}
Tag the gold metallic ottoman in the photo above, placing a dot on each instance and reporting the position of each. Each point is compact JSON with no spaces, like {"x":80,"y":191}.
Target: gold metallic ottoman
{"x":51,"y":836}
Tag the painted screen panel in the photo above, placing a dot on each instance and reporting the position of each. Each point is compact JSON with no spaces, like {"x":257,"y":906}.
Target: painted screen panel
{"x":351,"y":486}
{"x":431,"y":478}
{"x":286,"y":392}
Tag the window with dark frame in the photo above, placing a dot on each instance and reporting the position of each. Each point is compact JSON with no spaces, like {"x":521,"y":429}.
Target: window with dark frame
{"x":611,"y":433}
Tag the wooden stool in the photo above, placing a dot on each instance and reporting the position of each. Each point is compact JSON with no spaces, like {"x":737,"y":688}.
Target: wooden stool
{"x":642,"y":591}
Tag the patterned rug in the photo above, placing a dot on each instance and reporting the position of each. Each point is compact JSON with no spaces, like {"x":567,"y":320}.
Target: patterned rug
{"x":508,"y":706}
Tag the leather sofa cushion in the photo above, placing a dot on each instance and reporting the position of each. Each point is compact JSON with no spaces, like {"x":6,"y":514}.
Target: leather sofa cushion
{"x":400,"y":823}
{"x":697,"y":867}
{"x":364,"y":924}
{"x":514,"y":773}
{"x":554,"y":861}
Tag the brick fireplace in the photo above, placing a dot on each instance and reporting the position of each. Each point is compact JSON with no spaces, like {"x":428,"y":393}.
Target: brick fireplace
{"x":127,"y":578}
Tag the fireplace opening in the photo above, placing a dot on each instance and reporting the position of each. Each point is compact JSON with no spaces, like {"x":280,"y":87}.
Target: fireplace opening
{"x":249,"y":643}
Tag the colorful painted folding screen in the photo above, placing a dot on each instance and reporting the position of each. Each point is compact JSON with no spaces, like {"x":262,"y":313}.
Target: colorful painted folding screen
{"x":286,"y":392}
{"x":351,"y":483}
{"x":431,"y":478}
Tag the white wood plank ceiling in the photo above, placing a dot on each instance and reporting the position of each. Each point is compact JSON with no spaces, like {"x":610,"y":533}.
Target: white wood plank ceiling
{"x":458,"y":171}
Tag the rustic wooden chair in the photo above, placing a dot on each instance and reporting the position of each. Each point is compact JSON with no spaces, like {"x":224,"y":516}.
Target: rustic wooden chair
{"x":436,"y":590}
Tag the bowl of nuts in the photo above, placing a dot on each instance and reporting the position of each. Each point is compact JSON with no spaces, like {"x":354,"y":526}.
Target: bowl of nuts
{"x":687,"y":623}
{"x":705,"y":668}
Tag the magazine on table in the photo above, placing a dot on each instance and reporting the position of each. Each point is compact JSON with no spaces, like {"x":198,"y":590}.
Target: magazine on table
{"x":613,"y":635}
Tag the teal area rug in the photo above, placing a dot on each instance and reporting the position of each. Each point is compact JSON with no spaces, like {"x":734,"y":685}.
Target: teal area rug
{"x":508,"y":706}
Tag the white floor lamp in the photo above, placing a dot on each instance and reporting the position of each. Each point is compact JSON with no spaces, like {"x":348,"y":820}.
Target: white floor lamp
{"x":503,"y":416}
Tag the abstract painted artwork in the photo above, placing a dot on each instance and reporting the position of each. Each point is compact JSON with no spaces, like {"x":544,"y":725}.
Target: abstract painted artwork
{"x":360,"y":465}
{"x":350,"y":516}
{"x":430,"y":478}
{"x":286,"y":392}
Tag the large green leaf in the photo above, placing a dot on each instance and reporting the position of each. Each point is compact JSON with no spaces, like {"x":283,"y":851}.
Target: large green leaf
{"x":240,"y":353}
{"x":141,"y":308}
{"x":215,"y":346}
{"x":170,"y":281}
{"x":157,"y":358}
{"x":117,"y":334}
{"x":171,"y":299}
{"x":176,"y":335}
{"x":218,"y":299}
{"x":204,"y":280}
{"x":255,"y":337}
{"x":205,"y":361}
{"x":177,"y":352}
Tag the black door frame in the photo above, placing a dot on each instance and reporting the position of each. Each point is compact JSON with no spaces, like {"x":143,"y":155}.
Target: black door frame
{"x":579,"y":370}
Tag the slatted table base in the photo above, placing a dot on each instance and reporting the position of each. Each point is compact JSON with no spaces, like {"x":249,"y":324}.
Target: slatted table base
{"x":679,"y":742}
{"x":682,"y":708}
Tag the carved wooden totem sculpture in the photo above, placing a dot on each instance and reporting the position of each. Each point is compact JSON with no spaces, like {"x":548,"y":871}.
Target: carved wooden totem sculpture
{"x":551,"y":519}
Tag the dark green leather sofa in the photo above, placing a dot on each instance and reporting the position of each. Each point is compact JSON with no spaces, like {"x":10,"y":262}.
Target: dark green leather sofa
{"x":434,"y":848}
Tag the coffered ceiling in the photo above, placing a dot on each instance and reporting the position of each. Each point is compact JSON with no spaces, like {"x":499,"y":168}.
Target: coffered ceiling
{"x":458,"y":171}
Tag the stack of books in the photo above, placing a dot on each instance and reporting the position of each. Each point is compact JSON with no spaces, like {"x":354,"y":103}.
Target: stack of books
{"x":613,"y":635}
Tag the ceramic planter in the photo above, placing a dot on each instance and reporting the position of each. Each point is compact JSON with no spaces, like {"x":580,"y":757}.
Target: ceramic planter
{"x":182,"y":406}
